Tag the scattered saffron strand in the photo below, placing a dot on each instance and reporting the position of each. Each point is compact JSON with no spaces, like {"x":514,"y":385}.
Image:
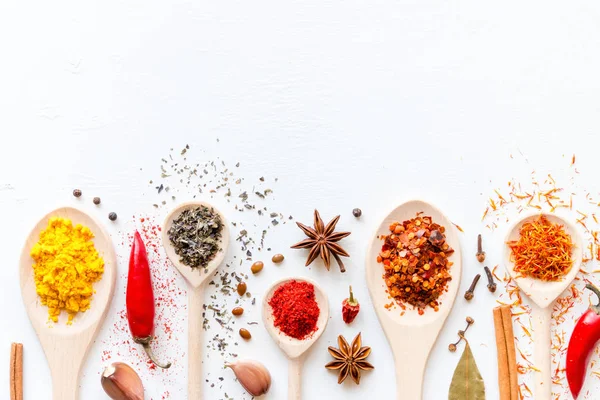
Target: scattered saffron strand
{"x":458,"y":227}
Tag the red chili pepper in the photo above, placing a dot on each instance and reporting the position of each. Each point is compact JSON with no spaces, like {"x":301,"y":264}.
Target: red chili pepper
{"x":140,"y":298}
{"x":350,"y":308}
{"x":583,"y":341}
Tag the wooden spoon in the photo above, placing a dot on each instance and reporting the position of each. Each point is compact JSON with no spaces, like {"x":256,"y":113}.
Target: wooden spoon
{"x":65,"y":345}
{"x":543,"y":295}
{"x":196,"y":279}
{"x":411,"y":336}
{"x":294,"y":348}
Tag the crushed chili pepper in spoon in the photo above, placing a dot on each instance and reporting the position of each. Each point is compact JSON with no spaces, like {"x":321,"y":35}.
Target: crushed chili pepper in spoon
{"x":140,"y":298}
{"x":415,"y":261}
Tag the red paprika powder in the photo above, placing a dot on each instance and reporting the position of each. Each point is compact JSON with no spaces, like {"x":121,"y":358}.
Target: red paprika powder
{"x":295,"y":310}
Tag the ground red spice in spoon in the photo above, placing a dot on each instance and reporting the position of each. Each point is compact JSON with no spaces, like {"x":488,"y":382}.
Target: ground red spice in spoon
{"x":295,"y":310}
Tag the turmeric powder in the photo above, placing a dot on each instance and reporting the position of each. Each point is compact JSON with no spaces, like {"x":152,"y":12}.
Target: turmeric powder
{"x":66,"y":264}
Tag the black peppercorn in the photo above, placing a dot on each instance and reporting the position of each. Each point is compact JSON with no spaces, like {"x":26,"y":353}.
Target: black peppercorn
{"x":112,"y":216}
{"x":96,"y":200}
{"x":77,"y":193}
{"x":357,"y":212}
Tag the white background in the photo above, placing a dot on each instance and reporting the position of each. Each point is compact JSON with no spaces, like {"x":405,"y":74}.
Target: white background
{"x":349,"y":103}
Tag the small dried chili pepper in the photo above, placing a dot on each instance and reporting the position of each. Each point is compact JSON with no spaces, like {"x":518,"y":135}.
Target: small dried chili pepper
{"x":582,"y":343}
{"x":140,"y":298}
{"x":350,"y":308}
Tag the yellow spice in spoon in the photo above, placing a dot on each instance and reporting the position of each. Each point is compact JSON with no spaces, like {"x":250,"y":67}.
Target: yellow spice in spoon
{"x":66,"y":264}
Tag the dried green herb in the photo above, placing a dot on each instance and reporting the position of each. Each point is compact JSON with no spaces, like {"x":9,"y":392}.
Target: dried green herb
{"x":195,"y":235}
{"x":467,"y":382}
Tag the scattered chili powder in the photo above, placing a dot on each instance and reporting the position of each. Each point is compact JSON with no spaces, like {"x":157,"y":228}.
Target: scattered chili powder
{"x":295,"y":310}
{"x":415,"y":260}
{"x":543,"y":250}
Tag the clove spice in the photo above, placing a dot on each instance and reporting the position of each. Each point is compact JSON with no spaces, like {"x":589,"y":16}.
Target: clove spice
{"x":491,"y":284}
{"x":470,"y":293}
{"x":461,"y":334}
{"x":480,"y":253}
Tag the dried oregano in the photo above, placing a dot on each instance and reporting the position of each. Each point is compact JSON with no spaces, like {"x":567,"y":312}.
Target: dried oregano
{"x":195,"y":235}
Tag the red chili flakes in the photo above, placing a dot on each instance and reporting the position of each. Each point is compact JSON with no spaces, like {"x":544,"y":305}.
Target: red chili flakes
{"x":415,"y":259}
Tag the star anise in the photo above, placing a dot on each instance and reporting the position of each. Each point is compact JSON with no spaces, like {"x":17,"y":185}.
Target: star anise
{"x":350,"y":360}
{"x":322,"y":242}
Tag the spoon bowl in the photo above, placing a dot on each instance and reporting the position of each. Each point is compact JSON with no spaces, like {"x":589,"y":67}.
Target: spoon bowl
{"x":411,"y":336}
{"x":543,"y":294}
{"x":66,"y":346}
{"x":294,"y":348}
{"x":196,"y":279}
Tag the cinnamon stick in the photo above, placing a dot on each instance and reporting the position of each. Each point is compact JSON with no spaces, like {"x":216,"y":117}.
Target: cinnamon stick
{"x":503,"y":374}
{"x":509,"y":336}
{"x":16,"y":371}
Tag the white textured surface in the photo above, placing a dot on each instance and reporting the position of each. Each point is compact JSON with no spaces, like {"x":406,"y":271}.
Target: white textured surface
{"x":360,"y":103}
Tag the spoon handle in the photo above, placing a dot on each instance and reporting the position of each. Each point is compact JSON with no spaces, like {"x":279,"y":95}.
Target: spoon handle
{"x":295,"y":378}
{"x":65,"y":365}
{"x":410,"y":370}
{"x":195,"y":342}
{"x":542,"y":340}
{"x":65,"y":387}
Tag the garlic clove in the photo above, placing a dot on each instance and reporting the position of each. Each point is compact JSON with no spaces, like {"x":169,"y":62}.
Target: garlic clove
{"x":121,"y":382}
{"x":253,"y":376}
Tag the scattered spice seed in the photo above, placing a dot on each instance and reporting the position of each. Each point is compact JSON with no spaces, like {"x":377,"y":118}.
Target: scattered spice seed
{"x":245,"y":334}
{"x":461,"y":334}
{"x":77,"y":193}
{"x":543,"y":250}
{"x":237,"y":311}
{"x":491,"y":284}
{"x":257,"y":267}
{"x":480,"y":253}
{"x":241,"y":288}
{"x":277,"y":258}
{"x":470,"y":293}
{"x":357,"y":212}
{"x":112,"y":216}
{"x":96,"y":200}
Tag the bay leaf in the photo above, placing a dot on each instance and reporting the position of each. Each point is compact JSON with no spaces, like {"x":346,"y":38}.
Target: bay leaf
{"x":467,"y":383}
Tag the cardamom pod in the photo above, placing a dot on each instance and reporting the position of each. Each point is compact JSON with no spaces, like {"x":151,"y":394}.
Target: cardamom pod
{"x":253,"y":376}
{"x":121,"y":382}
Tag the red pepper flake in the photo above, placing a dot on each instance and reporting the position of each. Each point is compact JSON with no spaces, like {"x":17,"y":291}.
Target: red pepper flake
{"x":295,"y":310}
